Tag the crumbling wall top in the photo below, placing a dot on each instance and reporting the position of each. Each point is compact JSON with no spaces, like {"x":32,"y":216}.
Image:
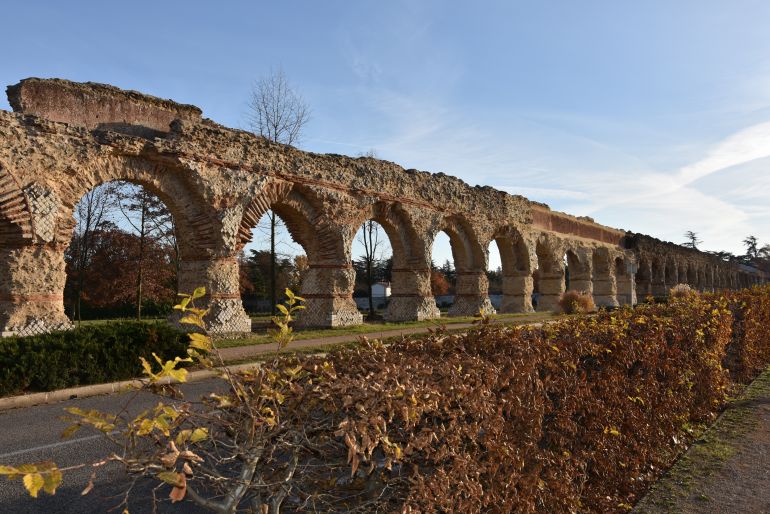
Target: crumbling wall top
{"x":98,"y":106}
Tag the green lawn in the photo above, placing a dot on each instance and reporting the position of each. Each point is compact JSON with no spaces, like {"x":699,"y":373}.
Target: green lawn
{"x":374,"y":327}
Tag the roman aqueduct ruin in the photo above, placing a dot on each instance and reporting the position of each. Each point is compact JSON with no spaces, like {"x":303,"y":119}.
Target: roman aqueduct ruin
{"x":65,"y":138}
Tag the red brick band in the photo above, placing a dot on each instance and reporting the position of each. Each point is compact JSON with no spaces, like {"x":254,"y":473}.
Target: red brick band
{"x":226,"y":296}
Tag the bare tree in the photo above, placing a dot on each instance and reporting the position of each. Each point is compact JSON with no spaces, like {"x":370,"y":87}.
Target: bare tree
{"x":90,"y":214}
{"x":692,"y":240}
{"x":277,"y":112}
{"x":150,"y":218}
{"x":370,"y":239}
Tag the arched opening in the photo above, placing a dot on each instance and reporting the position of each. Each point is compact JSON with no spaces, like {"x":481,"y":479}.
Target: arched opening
{"x":470,"y":267}
{"x":658,"y":272}
{"x":509,"y":262}
{"x":373,"y":263}
{"x":443,"y":278}
{"x":495,"y":276}
{"x":577,"y":274}
{"x":643,"y":277}
{"x":123,"y":258}
{"x":692,"y":276}
{"x":272,"y":261}
{"x":672,"y":277}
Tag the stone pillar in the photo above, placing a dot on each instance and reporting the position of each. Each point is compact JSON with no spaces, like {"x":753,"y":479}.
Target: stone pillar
{"x":551,"y":288}
{"x":31,"y":290}
{"x":328,"y":293}
{"x":223,"y":298}
{"x":626,"y":287}
{"x":411,"y":298}
{"x":517,"y":293}
{"x":580,"y":280}
{"x":605,"y":287}
{"x":471,"y":294}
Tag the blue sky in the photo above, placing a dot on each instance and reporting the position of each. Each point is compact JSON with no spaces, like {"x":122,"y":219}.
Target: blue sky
{"x":650,"y":116}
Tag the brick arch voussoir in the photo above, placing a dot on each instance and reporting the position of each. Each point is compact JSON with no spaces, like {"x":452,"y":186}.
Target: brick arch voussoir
{"x":300,"y":210}
{"x":515,"y":252}
{"x":16,"y":225}
{"x":273,"y":193}
{"x":400,"y":229}
{"x":466,"y":249}
{"x":193,"y":215}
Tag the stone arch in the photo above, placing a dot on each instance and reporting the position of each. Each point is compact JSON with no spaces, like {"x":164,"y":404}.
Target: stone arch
{"x":516,"y":262}
{"x":470,"y":259}
{"x":658,"y":276}
{"x":328,"y":283}
{"x":643,"y":276}
{"x":300,"y":211}
{"x":194,"y":218}
{"x":411,"y":298}
{"x":672,"y":273}
{"x":682,"y":272}
{"x":692,"y":276}
{"x":578,"y":269}
{"x":468,"y":254}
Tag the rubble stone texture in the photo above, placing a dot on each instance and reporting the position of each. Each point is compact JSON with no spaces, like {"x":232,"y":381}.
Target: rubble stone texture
{"x":65,"y":138}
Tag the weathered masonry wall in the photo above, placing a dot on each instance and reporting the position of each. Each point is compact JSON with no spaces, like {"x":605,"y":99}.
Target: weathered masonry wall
{"x":65,"y":138}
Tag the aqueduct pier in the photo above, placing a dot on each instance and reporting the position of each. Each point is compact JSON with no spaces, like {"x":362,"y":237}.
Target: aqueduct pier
{"x":64,"y":138}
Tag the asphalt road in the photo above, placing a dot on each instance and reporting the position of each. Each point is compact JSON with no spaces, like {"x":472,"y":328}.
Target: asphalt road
{"x":34,"y":435}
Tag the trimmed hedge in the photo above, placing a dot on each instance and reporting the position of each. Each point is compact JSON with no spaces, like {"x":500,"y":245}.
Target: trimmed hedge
{"x":577,"y":416}
{"x":87,"y":355}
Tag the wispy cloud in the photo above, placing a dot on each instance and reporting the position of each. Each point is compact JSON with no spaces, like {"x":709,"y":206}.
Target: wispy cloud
{"x":744,"y":146}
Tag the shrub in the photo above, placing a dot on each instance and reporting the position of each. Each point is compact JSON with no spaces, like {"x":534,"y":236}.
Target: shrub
{"x":749,"y":350}
{"x":87,"y":355}
{"x":681,"y":290}
{"x":572,"y":302}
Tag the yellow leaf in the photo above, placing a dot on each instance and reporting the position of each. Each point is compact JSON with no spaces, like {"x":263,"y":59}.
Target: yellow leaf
{"x":199,"y":434}
{"x":69,"y":431}
{"x":182,"y":437}
{"x":191,"y":319}
{"x":200,"y":342}
{"x":51,"y":480}
{"x":283,"y":309}
{"x":199,"y":292}
{"x":33,"y":482}
{"x":171,"y":477}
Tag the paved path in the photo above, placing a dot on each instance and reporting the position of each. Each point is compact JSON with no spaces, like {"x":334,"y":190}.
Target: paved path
{"x":728,"y":469}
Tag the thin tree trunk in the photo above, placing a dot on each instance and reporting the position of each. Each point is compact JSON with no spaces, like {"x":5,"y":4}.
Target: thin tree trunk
{"x":139,"y":275}
{"x":273,"y":292}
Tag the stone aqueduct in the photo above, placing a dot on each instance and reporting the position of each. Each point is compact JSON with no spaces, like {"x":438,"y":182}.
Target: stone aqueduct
{"x":65,"y":138}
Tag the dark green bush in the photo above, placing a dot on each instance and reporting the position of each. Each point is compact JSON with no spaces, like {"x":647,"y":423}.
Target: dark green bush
{"x":87,"y":355}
